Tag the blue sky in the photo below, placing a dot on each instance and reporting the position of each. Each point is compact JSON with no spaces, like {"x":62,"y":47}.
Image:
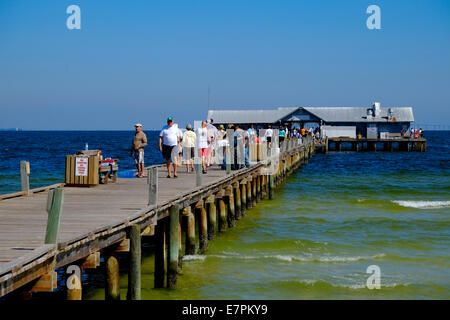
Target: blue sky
{"x":144,"y":60}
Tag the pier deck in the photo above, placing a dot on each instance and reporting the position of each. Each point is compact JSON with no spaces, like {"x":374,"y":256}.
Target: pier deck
{"x":99,"y":218}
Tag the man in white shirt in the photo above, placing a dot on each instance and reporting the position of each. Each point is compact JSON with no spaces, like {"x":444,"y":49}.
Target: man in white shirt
{"x":203,"y":140}
{"x":169,"y":138}
{"x":269,"y":134}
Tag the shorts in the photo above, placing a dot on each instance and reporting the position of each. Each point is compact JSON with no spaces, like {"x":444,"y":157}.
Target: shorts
{"x":189,"y":152}
{"x":138,"y":156}
{"x":167,"y":151}
{"x":203,"y":152}
{"x":269,"y":139}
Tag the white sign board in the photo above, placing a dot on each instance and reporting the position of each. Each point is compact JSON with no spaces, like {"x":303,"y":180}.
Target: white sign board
{"x":81,"y":167}
{"x":339,"y":131}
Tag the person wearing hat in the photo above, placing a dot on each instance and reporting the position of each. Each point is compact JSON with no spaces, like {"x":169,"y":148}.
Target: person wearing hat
{"x":169,"y":138}
{"x":137,"y":149}
{"x":188,"y":143}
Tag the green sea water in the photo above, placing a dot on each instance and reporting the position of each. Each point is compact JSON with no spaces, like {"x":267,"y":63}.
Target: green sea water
{"x":330,"y":221}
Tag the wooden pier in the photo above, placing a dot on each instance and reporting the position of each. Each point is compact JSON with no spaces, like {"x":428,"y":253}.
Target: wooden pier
{"x":364,"y":144}
{"x":68,"y":227}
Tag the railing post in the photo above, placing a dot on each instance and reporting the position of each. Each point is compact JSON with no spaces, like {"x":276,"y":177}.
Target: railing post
{"x":228,"y":160}
{"x":198,"y":171}
{"x":25,"y":176}
{"x":152,"y":180}
{"x":55,"y":202}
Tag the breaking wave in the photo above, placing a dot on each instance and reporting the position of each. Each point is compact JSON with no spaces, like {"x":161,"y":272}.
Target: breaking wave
{"x":422,"y":204}
{"x":286,"y":258}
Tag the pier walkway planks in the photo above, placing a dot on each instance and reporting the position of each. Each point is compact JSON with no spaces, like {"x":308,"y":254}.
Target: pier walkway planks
{"x":86,"y":211}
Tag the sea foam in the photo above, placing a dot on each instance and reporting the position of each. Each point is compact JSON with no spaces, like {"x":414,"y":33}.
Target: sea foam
{"x":422,"y":204}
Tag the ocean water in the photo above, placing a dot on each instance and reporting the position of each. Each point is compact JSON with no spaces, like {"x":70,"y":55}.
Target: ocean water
{"x":336,"y":216}
{"x":45,"y":150}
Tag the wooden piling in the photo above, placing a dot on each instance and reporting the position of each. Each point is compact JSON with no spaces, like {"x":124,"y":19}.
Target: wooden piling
{"x":74,"y":290}
{"x":222,"y":216}
{"x":249,"y":194}
{"x":271,"y":186}
{"x":237,"y":200}
{"x":180,"y":249}
{"x":231,"y":217}
{"x":203,"y":227}
{"x":134,"y":272}
{"x":243,"y":187}
{"x":160,"y":253}
{"x":55,"y":202}
{"x":212,"y":217}
{"x":258,"y":188}
{"x":172,"y":263}
{"x":254,"y":195}
{"x":190,"y":234}
{"x":112,"y":287}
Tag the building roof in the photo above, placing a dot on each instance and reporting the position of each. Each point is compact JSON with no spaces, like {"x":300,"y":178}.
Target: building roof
{"x":359,"y":114}
{"x":327,"y":114}
{"x":249,"y":116}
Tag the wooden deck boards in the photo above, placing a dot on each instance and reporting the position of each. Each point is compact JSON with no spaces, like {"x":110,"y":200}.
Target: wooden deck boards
{"x":24,"y":219}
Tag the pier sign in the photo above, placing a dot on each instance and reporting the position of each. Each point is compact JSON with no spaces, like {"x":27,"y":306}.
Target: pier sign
{"x":81,"y":167}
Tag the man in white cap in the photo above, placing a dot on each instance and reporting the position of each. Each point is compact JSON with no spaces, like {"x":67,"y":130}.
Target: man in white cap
{"x":137,"y":149}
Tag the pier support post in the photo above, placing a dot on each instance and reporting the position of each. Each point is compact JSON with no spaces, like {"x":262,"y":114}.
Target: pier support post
{"x":229,"y":199}
{"x":25,"y":176}
{"x":190,"y":232}
{"x":74,"y":290}
{"x":243,"y":186}
{"x":264,"y":186}
{"x":249,"y":195}
{"x":237,"y":200}
{"x":212,"y":217}
{"x":271,"y":186}
{"x":258,"y":188}
{"x":222,"y":216}
{"x":152,"y":180}
{"x":55,"y":202}
{"x":112,"y":288}
{"x":203,"y":227}
{"x":254,"y":195}
{"x":160,"y":253}
{"x":172,"y":266}
{"x":134,"y":273}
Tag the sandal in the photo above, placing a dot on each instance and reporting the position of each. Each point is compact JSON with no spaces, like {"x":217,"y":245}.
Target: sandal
{"x":169,"y":176}
{"x":175,"y":176}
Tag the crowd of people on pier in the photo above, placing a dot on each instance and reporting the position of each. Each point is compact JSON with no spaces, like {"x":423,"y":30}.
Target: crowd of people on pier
{"x":208,"y":144}
{"x":413,"y":133}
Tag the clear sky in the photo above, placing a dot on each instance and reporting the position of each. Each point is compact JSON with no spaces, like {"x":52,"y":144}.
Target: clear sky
{"x":144,"y":60}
